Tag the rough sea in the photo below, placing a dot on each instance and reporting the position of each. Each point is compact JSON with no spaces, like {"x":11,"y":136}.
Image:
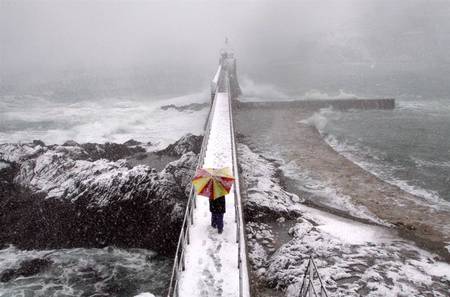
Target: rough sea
{"x":109,"y":271}
{"x":341,"y":49}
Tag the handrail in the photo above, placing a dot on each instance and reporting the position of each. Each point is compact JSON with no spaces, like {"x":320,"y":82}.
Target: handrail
{"x":244,"y":290}
{"x":179,"y":261}
{"x":188,"y":215}
{"x":307,"y":288}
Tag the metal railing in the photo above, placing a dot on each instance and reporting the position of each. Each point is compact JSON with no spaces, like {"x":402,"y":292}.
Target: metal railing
{"x":183,"y":240}
{"x":311,"y":280}
{"x":179,"y":261}
{"x":244,"y":290}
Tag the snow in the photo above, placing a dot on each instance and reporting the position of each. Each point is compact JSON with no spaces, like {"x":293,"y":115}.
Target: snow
{"x":353,"y":258}
{"x":328,"y":194}
{"x":145,"y":295}
{"x":3,"y":165}
{"x":263,"y":185}
{"x":15,"y":153}
{"x":350,"y":232}
{"x":61,"y":173}
{"x":212,"y":258}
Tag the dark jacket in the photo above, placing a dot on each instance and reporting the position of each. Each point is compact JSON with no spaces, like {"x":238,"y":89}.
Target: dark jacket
{"x":217,"y":205}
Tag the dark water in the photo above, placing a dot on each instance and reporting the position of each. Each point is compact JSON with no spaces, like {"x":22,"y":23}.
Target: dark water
{"x":409,"y":146}
{"x":88,"y":272}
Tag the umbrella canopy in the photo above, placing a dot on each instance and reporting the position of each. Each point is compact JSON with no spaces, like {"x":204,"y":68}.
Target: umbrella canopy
{"x":213,"y":183}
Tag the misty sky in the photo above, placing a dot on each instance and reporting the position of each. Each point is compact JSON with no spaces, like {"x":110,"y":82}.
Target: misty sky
{"x":44,"y":40}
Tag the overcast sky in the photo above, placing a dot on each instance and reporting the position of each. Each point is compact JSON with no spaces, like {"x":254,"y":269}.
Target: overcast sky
{"x":44,"y":38}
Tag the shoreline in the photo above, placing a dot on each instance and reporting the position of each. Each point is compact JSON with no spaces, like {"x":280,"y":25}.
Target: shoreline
{"x":354,"y":258}
{"x":412,"y":219}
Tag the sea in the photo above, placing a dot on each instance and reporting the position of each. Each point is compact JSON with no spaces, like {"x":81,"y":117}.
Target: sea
{"x":110,"y":271}
{"x":315,"y":50}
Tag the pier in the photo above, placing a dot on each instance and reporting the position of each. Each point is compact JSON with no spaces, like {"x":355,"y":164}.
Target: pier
{"x":210,"y":264}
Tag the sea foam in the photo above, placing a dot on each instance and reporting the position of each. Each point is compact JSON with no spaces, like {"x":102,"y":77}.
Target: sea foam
{"x":103,"y":120}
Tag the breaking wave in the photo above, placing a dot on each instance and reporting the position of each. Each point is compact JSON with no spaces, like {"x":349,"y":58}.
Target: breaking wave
{"x":320,"y":119}
{"x":104,"y":120}
{"x":371,"y":160}
{"x":318,"y":95}
{"x":429,"y":106}
{"x":256,"y":91}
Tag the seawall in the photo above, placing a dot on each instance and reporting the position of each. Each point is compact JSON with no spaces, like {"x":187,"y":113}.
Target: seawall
{"x":341,"y":104}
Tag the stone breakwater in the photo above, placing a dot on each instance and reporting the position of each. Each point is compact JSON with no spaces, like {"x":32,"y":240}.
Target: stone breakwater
{"x":89,"y":195}
{"x":341,"y":104}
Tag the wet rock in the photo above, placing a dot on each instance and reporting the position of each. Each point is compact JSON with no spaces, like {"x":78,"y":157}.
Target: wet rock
{"x":132,"y":142}
{"x":110,"y":151}
{"x":7,"y":275}
{"x":38,"y":142}
{"x":71,"y":143}
{"x":26,"y":268}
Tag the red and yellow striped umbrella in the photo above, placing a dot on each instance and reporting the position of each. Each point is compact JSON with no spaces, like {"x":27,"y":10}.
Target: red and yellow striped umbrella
{"x":213,"y":183}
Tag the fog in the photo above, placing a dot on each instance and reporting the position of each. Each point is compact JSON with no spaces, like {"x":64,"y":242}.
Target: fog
{"x":173,"y":46}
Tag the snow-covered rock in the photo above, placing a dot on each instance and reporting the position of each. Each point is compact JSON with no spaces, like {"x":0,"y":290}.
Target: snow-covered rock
{"x":187,"y":143}
{"x":265,"y":195}
{"x":145,"y":295}
{"x":353,"y":258}
{"x":82,"y":195}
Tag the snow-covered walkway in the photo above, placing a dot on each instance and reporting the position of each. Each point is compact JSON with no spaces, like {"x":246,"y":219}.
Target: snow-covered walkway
{"x":212,"y":258}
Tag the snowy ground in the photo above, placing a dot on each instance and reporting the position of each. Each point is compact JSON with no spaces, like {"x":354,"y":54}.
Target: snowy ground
{"x":212,"y":258}
{"x":354,"y":259}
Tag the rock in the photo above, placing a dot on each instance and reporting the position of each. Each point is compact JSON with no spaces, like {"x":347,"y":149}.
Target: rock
{"x":145,"y":295}
{"x":110,"y":151}
{"x":281,"y":220}
{"x":27,"y":268}
{"x":38,"y":142}
{"x":7,"y":275}
{"x":132,"y":142}
{"x":187,"y":143}
{"x":295,"y":198}
{"x":266,"y":198}
{"x":67,"y":196}
{"x":70,"y":143}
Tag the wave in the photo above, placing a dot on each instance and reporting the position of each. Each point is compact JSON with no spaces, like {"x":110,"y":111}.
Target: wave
{"x":429,"y":106}
{"x":103,"y":120}
{"x":320,"y":95}
{"x":428,"y":163}
{"x":371,"y":160}
{"x":87,"y":272}
{"x":320,"y":119}
{"x":256,"y":91}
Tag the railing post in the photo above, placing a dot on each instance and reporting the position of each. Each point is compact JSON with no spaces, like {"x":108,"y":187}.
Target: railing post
{"x":188,"y":237}
{"x":183,"y":264}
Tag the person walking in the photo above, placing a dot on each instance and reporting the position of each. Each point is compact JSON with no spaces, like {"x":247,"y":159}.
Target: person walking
{"x":217,"y":209}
